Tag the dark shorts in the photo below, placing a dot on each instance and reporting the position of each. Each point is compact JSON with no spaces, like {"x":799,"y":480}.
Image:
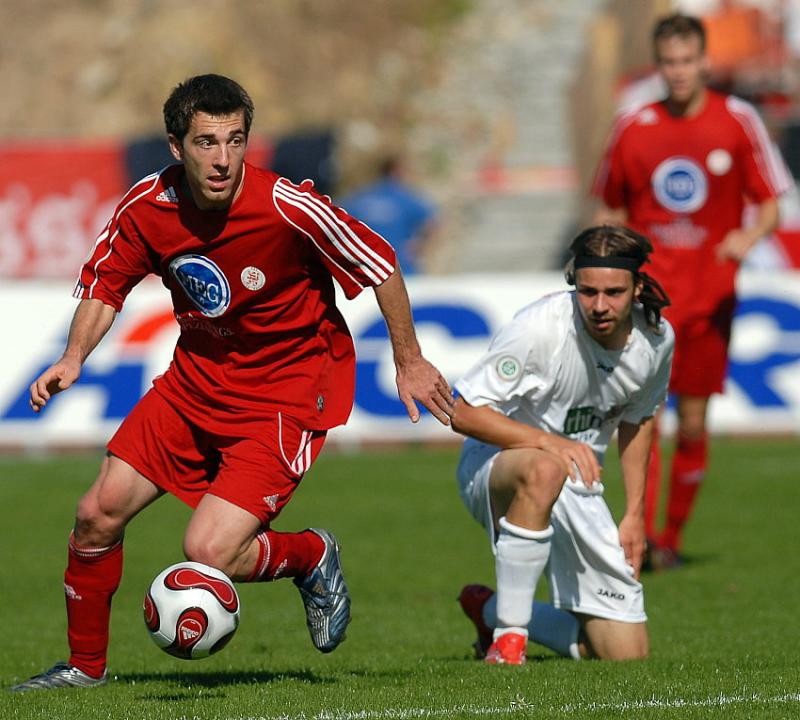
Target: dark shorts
{"x":256,"y":474}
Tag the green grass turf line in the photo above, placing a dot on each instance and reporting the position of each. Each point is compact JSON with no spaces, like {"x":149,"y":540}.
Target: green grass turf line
{"x":723,"y":628}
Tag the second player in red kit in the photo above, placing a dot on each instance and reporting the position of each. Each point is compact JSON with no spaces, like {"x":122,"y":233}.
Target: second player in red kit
{"x":680,"y":171}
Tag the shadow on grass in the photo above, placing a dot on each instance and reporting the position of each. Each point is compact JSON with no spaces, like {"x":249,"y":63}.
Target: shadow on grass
{"x":654,"y":567}
{"x":391,"y":673}
{"x":215,"y":680}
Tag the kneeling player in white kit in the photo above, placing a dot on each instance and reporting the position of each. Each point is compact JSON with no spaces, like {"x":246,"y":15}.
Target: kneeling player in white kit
{"x":539,"y":410}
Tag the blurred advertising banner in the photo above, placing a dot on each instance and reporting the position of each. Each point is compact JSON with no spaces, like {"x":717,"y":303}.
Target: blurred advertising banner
{"x":56,"y":197}
{"x":54,"y":200}
{"x":455,"y":317}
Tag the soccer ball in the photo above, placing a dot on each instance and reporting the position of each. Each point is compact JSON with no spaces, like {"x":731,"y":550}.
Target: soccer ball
{"x":191,"y":610}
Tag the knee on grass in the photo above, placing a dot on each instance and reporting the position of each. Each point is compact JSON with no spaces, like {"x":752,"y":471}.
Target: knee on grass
{"x":610,"y":640}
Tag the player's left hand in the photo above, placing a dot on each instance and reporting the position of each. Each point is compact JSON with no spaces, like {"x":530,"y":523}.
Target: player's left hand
{"x":633,"y":541}
{"x":735,"y":245}
{"x":419,"y":380}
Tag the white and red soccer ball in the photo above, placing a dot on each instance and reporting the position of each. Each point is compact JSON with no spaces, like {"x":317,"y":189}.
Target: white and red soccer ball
{"x":191,"y":610}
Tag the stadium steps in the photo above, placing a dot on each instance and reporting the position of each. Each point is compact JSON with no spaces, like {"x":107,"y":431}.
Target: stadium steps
{"x":503,"y":97}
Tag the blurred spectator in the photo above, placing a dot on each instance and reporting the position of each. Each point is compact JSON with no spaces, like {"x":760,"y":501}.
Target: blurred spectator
{"x":393,"y":209}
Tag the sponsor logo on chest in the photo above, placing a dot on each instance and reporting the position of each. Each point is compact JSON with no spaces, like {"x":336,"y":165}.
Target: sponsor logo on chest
{"x":581,"y":419}
{"x":204,"y":283}
{"x":680,"y":185}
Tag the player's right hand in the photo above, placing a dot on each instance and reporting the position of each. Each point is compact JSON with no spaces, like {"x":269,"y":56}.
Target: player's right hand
{"x":420,"y":380}
{"x":56,"y":378}
{"x":580,"y":461}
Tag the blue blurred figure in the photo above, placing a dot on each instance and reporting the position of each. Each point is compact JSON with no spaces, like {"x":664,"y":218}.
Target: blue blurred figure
{"x":397,"y":212}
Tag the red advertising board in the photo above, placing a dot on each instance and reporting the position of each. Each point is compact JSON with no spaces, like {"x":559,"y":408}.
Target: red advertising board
{"x":54,"y":199}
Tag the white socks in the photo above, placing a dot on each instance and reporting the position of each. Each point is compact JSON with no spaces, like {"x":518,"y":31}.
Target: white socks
{"x":555,"y":629}
{"x":520,"y":559}
{"x":521,"y":556}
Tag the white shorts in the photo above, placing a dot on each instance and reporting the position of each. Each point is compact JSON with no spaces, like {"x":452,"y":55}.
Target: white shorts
{"x":586,"y":572}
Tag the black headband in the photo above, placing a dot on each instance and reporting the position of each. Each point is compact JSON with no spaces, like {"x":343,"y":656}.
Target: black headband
{"x":609,"y":261}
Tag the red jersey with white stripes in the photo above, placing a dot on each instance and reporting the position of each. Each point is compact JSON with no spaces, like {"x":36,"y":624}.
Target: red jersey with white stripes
{"x":252,"y":292}
{"x":684,"y":181}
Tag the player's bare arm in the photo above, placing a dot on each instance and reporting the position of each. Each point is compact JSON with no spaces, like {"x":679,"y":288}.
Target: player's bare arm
{"x":417,"y":379}
{"x":737,"y":243}
{"x":91,"y":322}
{"x":494,"y":428}
{"x":634,"y":452}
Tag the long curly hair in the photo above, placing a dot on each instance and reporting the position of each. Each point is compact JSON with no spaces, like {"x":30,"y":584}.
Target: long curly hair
{"x":609,"y":241}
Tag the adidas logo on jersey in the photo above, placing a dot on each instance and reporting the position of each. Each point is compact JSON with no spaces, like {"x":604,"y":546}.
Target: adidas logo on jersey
{"x":169,"y":195}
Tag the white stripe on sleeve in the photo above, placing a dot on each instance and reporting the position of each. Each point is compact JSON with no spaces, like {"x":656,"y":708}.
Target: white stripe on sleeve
{"x":326,"y":219}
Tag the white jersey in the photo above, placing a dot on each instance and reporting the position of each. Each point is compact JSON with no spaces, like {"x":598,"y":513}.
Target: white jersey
{"x":545,"y":370}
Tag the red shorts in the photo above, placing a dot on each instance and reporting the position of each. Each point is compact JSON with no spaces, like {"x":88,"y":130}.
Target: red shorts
{"x":700,"y":362}
{"x":257,"y":475}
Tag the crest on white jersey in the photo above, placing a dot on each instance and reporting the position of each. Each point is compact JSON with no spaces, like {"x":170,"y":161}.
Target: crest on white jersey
{"x":252,"y":278}
{"x":508,"y":368}
{"x":680,"y":185}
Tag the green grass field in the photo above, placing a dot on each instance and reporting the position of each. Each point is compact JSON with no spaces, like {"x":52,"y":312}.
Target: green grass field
{"x":724,"y":628}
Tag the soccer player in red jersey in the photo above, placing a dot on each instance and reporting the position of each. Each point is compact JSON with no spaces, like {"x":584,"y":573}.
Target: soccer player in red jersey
{"x":263,"y":367}
{"x":679,"y":171}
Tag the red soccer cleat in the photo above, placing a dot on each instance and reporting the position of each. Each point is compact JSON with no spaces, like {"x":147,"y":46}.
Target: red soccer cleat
{"x":472,"y":600}
{"x":508,"y":649}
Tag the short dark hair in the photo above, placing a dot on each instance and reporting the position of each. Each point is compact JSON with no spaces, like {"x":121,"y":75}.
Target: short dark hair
{"x":677,"y":25}
{"x":212,"y":94}
{"x":622,"y":242}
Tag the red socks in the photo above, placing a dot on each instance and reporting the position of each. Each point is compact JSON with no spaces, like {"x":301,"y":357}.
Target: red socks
{"x":688,"y":471}
{"x":653,"y":487}
{"x":91,"y":578}
{"x":286,"y":555}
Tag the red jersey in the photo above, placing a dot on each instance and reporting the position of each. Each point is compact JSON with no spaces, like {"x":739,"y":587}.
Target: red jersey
{"x":252,"y":292}
{"x":683,"y":182}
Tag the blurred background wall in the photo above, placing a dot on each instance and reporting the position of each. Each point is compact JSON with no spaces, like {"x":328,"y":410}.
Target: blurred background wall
{"x":498,"y":109}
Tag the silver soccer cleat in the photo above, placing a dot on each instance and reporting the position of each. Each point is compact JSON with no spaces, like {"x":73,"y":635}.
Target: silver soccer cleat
{"x":325,"y":597}
{"x":61,"y":675}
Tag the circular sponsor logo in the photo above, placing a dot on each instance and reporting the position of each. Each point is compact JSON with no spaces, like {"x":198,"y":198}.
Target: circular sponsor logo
{"x":719,"y":161}
{"x":508,"y":368}
{"x":204,"y":283}
{"x":680,"y":185}
{"x":252,"y":278}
